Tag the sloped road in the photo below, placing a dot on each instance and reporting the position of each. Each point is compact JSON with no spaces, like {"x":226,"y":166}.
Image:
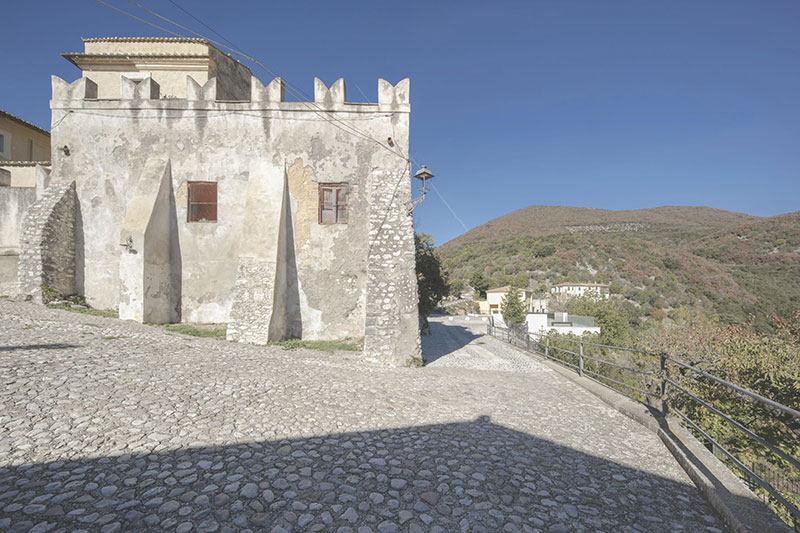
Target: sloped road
{"x":114,"y":426}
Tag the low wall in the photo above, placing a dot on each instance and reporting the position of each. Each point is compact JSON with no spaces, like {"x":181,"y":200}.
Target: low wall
{"x":23,"y":173}
{"x":14,"y":202}
{"x":47,"y":244}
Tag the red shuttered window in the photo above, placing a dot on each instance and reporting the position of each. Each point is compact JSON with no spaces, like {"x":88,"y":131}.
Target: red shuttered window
{"x":333,"y":203}
{"x":202,"y":201}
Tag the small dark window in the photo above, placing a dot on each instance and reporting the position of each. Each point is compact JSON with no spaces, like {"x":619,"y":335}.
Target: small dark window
{"x":202,"y":201}
{"x":333,"y":203}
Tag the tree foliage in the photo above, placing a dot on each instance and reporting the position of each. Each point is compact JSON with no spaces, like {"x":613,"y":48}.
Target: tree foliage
{"x":480,"y":283}
{"x":431,"y":276}
{"x":610,"y":315}
{"x":512,"y":308}
{"x":766,"y":364}
{"x":455,"y":288}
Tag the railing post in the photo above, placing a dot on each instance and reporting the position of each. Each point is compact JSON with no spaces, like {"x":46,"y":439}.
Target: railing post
{"x":664,"y":384}
{"x":580,"y":367}
{"x":547,"y":347}
{"x":527,"y":342}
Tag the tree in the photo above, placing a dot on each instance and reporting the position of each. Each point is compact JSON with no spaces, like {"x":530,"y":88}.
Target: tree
{"x":480,"y":284}
{"x":456,"y":287}
{"x":613,"y":320}
{"x":431,"y":277}
{"x":512,"y":308}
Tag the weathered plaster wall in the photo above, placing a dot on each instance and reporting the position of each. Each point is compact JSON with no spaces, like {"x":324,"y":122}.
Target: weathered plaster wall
{"x":233,"y":78}
{"x":14,"y":202}
{"x":47,"y":243}
{"x":263,"y":153}
{"x":147,"y":264}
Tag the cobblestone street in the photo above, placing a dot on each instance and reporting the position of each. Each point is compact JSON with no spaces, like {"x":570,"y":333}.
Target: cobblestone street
{"x":108,"y":426}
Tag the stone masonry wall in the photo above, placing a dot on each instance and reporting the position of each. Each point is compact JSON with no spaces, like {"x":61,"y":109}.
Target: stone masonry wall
{"x":392,"y":318}
{"x":47,"y":243}
{"x":253,"y":299}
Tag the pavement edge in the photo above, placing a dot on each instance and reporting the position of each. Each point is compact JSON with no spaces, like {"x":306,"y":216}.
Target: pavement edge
{"x":739,"y":509}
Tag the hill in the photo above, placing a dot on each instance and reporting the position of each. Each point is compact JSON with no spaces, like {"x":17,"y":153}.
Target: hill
{"x":539,"y":220}
{"x":662,"y":261}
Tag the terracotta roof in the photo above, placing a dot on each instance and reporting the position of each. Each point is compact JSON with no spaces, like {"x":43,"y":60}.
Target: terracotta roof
{"x":158,"y":54}
{"x":500,"y":289}
{"x":506,"y":289}
{"x":4,"y":114}
{"x":581,"y":285}
{"x":145,"y":40}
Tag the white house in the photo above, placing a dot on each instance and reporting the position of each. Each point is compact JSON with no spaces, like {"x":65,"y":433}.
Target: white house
{"x":562,"y":323}
{"x":570,"y":290}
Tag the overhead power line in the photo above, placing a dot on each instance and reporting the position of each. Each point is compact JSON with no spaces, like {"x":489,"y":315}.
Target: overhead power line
{"x":302,"y":97}
{"x":335,"y":121}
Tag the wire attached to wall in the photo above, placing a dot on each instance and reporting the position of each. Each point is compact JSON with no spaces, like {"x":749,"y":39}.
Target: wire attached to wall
{"x":335,"y":121}
{"x":295,"y":91}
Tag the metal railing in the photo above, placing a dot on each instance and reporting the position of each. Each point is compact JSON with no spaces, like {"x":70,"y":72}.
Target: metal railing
{"x":659,"y":381}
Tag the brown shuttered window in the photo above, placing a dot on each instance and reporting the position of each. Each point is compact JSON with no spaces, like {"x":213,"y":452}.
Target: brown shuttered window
{"x":333,"y":203}
{"x":202,"y":201}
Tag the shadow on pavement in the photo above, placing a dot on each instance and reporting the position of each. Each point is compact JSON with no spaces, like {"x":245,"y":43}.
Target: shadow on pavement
{"x":55,"y":346}
{"x":469,"y":476}
{"x":445,"y":339}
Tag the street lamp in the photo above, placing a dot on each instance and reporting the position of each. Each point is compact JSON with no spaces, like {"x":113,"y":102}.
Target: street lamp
{"x":423,"y":174}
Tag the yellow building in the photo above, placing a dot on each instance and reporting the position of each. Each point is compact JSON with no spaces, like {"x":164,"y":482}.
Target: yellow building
{"x":167,"y":60}
{"x":494,"y":297}
{"x":21,"y":140}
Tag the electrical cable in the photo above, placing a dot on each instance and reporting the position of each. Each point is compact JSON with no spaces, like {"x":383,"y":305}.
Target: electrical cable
{"x":295,"y":91}
{"x":204,"y":24}
{"x":324,"y":114}
{"x":304,"y":99}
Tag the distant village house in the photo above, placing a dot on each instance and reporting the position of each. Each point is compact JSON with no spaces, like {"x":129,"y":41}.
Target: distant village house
{"x":494,"y":298}
{"x":564,"y":291}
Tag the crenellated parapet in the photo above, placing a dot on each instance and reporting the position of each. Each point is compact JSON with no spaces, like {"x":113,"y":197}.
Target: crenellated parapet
{"x":274,"y":92}
{"x":80,"y":89}
{"x":336,"y":94}
{"x":146,"y":89}
{"x":393,"y":94}
{"x":393,"y":98}
{"x":196,"y":92}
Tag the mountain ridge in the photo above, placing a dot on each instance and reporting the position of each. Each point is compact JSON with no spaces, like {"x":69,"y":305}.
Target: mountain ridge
{"x":539,"y":220}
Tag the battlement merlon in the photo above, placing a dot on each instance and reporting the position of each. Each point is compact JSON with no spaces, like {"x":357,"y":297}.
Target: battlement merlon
{"x":146,"y":93}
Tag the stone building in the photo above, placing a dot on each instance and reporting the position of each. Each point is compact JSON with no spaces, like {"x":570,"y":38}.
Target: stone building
{"x":203,"y":196}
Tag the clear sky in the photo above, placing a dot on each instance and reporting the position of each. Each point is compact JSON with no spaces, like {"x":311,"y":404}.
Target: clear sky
{"x":614,"y":104}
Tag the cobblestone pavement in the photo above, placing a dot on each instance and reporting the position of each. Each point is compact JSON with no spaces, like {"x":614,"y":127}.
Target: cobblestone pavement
{"x":108,"y":425}
{"x":457,"y":342}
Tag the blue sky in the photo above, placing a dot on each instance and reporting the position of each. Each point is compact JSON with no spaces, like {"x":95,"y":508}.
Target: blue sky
{"x":609,"y":104}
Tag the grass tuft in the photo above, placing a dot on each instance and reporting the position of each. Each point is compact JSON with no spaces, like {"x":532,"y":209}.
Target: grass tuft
{"x":108,"y":313}
{"x":194,"y":331}
{"x":324,"y":346}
